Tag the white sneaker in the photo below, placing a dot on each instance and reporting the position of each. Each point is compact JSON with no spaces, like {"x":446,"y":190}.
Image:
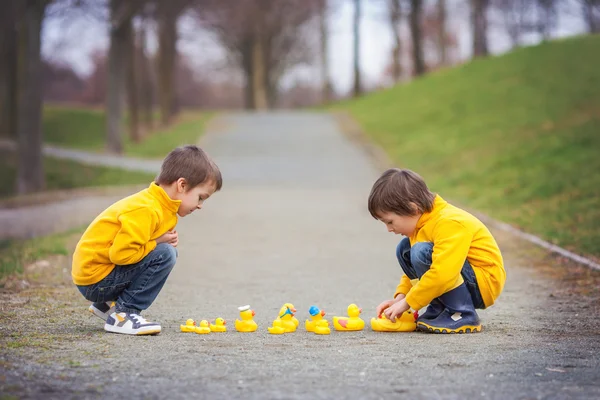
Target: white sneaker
{"x":130,"y":324}
{"x":102,"y":310}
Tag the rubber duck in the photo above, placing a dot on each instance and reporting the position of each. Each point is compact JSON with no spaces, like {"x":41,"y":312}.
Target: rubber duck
{"x":219,"y":325}
{"x":190,"y":326}
{"x":276,"y":329}
{"x":322,"y":327}
{"x":247,"y":324}
{"x":407,"y":322}
{"x":316,"y":315}
{"x":286,"y":316}
{"x":350,"y":323}
{"x":203,"y":328}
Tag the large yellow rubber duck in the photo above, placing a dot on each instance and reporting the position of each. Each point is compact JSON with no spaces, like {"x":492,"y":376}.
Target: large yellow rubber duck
{"x":407,"y":322}
{"x":247,"y":324}
{"x":350,"y":323}
{"x":316,"y":315}
{"x":219,"y":325}
{"x":203,"y":328}
{"x":322,"y":327}
{"x":190,"y":326}
{"x":276,"y":329}
{"x":286,"y":316}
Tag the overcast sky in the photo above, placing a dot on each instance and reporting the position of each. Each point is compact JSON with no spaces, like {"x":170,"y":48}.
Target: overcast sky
{"x":75,"y":40}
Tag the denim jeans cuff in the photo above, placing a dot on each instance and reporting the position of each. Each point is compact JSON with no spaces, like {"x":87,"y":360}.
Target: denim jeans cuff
{"x":119,"y":308}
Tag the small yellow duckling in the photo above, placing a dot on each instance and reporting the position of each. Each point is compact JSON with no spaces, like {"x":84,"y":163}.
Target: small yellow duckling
{"x":247,"y":324}
{"x":276,"y":329}
{"x":351,"y":323}
{"x":316,"y":315}
{"x":407,"y":322}
{"x":322,"y":327}
{"x":190,"y":326}
{"x":203,"y":328}
{"x":286,"y":316}
{"x":219,"y":325}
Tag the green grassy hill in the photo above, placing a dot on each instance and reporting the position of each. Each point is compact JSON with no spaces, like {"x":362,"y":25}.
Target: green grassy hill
{"x":515,"y":136}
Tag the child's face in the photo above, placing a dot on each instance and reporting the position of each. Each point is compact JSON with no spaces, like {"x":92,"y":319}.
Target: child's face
{"x":400,"y":224}
{"x":192,"y":199}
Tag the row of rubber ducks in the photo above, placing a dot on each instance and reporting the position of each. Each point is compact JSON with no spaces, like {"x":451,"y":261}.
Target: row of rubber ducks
{"x":286,"y":322}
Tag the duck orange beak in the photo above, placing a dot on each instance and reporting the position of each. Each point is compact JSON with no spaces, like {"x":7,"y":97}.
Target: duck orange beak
{"x":293,"y":310}
{"x":360,"y":310}
{"x":224,"y":322}
{"x":253,"y":313}
{"x":322,"y":313}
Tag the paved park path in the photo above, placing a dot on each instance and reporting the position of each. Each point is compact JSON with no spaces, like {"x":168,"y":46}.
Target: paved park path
{"x":291,"y":225}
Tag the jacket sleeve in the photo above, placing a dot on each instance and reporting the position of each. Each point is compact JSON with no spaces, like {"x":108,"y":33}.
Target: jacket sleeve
{"x":132,"y":243}
{"x":451,"y":243}
{"x":404,"y":286}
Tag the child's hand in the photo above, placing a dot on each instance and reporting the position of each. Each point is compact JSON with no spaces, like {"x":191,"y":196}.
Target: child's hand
{"x":175,"y":241}
{"x":168,"y":237}
{"x":396,"y":310}
{"x":388,"y":303}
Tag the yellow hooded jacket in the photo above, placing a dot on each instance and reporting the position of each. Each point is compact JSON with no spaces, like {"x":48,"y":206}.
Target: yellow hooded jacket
{"x":123,"y":234}
{"x":456,"y":235}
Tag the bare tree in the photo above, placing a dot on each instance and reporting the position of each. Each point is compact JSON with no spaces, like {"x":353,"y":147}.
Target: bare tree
{"x":395,"y":13}
{"x":132,"y":80}
{"x":120,"y":31}
{"x":515,"y":17}
{"x":146,"y":83}
{"x":357,"y":89}
{"x":479,"y":21}
{"x":441,"y":6}
{"x":547,"y":17}
{"x":264,"y":38}
{"x":324,"y":35}
{"x":591,"y":13}
{"x":416,"y":33}
{"x":30,"y":170}
{"x":8,"y":70}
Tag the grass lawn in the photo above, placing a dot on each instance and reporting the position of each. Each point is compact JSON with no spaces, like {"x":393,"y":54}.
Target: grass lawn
{"x":515,"y":136}
{"x":84,"y":129}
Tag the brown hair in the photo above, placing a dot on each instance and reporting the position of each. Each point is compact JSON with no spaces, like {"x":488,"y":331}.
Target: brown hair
{"x":396,"y":189}
{"x":191,"y":163}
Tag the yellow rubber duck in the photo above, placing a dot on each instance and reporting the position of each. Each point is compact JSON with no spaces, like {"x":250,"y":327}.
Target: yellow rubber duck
{"x":286,"y":316}
{"x":350,"y":323}
{"x":219,"y":325}
{"x":190,"y":326}
{"x":203,"y":328}
{"x":276,"y":329}
{"x":247,"y":324}
{"x":407,"y":322}
{"x":316,"y":315}
{"x":322,"y":327}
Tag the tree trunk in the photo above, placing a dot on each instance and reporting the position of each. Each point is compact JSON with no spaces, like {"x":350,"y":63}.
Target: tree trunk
{"x":132,"y":86}
{"x":167,"y":55}
{"x":415,"y":29}
{"x":325,"y":80}
{"x":395,"y":15}
{"x":590,"y":8}
{"x":8,"y":81}
{"x":30,"y":169}
{"x":356,"y":27}
{"x":442,"y":31}
{"x":259,"y":82}
{"x":117,"y":64}
{"x":145,"y":89}
{"x":479,"y":21}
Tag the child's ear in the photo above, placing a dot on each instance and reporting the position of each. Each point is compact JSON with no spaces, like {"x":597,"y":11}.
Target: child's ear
{"x":181,"y":185}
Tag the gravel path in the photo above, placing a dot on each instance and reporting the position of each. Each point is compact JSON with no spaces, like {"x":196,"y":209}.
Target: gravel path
{"x":291,"y":225}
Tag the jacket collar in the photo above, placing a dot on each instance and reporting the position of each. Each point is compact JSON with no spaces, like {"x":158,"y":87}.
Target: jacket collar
{"x":164,"y":199}
{"x":438,"y":205}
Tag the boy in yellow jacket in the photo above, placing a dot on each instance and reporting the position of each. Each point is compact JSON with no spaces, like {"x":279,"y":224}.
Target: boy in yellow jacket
{"x":126,"y":254}
{"x":451,"y":261}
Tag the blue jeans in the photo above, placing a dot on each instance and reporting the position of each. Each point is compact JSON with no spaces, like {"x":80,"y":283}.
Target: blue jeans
{"x":416,"y":260}
{"x":134,"y":287}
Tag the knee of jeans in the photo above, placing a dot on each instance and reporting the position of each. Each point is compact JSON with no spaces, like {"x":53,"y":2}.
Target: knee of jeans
{"x":420,"y":256}
{"x":168,"y":254}
{"x":402,"y":247}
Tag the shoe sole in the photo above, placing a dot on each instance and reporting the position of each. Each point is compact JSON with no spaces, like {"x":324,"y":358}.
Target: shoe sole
{"x":435,"y":329}
{"x":152,"y":330}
